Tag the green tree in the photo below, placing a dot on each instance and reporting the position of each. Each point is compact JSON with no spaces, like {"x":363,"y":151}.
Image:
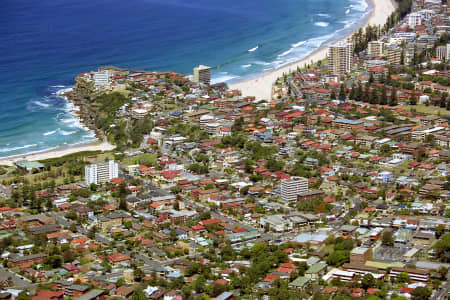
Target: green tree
{"x":439,"y":230}
{"x":92,"y":231}
{"x":342,"y":93}
{"x":200,"y":284}
{"x":138,"y":274}
{"x":359,"y":93}
{"x":443,"y":272}
{"x":23,"y":296}
{"x":275,"y":165}
{"x":352,"y":95}
{"x":403,"y":277}
{"x":54,"y":261}
{"x":421,"y":293}
{"x":138,"y":295}
{"x":368,"y":281}
{"x":333,"y":95}
{"x":68,"y":256}
{"x":383,"y":97}
{"x":442,"y":248}
{"x":443,"y":102}
{"x":93,"y":187}
{"x":393,"y":101}
{"x":387,"y":238}
{"x":413,"y":99}
{"x":338,"y":257}
{"x":123,"y":204}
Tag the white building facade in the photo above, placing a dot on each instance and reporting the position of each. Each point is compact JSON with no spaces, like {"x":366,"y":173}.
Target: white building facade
{"x":101,"y":78}
{"x":291,"y":188}
{"x":102,"y":172}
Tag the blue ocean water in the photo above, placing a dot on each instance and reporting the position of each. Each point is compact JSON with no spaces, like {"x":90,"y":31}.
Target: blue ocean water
{"x":44,"y":44}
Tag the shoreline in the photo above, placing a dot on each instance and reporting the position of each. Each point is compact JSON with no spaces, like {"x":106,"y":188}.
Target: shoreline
{"x":261,"y":85}
{"x":57,"y":152}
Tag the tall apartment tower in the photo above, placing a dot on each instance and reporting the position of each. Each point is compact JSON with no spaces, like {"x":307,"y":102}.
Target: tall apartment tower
{"x":394,"y":55}
{"x":414,"y":19}
{"x":292,"y":187}
{"x":441,"y":52}
{"x":375,"y":48}
{"x":202,"y":74}
{"x":340,"y":58}
{"x":448,"y":52}
{"x":101,"y":172}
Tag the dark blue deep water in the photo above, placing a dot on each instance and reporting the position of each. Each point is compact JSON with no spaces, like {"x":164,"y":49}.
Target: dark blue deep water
{"x":45,"y":43}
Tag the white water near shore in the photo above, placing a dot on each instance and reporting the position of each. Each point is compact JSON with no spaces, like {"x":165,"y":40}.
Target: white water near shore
{"x":74,"y":121}
{"x":261,"y":86}
{"x":57,"y":152}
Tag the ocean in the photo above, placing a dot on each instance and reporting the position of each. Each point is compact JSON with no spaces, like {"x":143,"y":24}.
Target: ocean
{"x":45,"y":44}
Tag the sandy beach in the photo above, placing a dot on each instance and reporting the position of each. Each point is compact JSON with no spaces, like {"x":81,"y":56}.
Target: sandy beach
{"x":94,"y":146}
{"x":261,"y":86}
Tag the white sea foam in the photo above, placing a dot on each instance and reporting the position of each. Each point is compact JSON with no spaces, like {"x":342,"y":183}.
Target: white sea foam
{"x":253,"y":49}
{"x":223,"y":78}
{"x":286,"y":52}
{"x":347,"y":24}
{"x":359,"y":5}
{"x":17,"y":148}
{"x":89,"y":135}
{"x":347,"y":11}
{"x":246,"y":66}
{"x":309,"y":46}
{"x":66,"y":121}
{"x":40,"y":104}
{"x":299,"y":44}
{"x":324,"y":15}
{"x":62,"y":91}
{"x":63,"y":132}
{"x":322,"y":24}
{"x":49,"y":133}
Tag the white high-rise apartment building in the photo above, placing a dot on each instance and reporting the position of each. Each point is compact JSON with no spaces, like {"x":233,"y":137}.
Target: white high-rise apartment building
{"x":448,"y":52}
{"x":101,"y":172}
{"x":441,"y":52}
{"x":375,"y":48}
{"x":202,"y":74}
{"x":393,"y":55}
{"x":291,"y":188}
{"x":340,"y":58}
{"x":414,"y":19}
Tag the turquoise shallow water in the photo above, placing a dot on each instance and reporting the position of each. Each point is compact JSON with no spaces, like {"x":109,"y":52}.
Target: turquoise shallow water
{"x":44,"y":44}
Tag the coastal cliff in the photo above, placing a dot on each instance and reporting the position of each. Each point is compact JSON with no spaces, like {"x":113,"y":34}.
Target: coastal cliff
{"x":82,"y":95}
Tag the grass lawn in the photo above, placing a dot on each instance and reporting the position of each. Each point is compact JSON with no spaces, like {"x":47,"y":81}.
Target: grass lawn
{"x":429,"y":110}
{"x":139,"y":159}
{"x":35,"y":178}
